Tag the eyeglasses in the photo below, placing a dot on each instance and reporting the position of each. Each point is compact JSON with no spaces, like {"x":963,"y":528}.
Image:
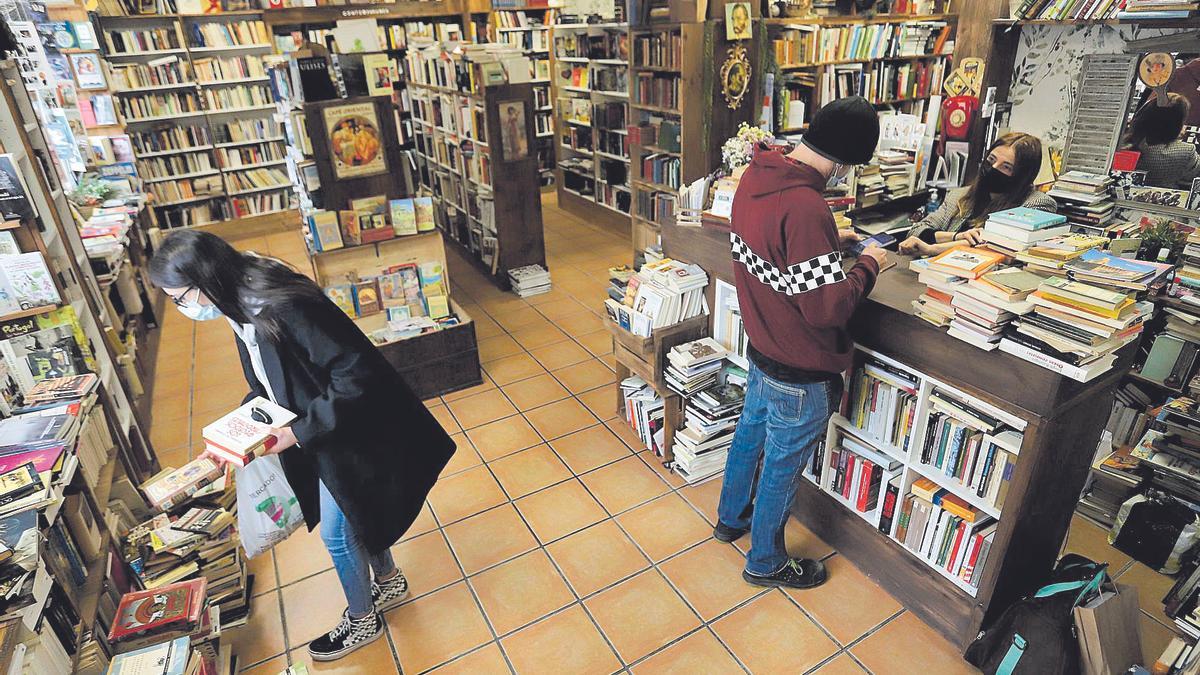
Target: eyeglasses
{"x":179,"y":300}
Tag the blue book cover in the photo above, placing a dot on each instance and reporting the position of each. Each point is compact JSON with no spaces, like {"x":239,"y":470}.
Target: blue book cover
{"x":1027,"y":219}
{"x":955,"y":448}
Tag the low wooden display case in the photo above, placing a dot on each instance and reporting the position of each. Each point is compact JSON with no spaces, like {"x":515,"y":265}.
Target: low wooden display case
{"x":433,"y":363}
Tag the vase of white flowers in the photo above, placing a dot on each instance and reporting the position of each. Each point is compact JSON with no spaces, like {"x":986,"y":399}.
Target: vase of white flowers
{"x":737,"y":151}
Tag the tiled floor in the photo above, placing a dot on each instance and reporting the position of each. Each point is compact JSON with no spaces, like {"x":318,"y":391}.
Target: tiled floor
{"x":553,"y":543}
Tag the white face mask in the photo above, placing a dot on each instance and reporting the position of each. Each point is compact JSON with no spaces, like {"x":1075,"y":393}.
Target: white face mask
{"x":840,"y":171}
{"x":200,"y":312}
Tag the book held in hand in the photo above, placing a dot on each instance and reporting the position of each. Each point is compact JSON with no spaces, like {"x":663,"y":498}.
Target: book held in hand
{"x":243,"y":434}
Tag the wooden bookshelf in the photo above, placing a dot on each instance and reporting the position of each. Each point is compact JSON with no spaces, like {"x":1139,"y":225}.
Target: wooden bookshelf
{"x":703,"y":118}
{"x":534,"y":39}
{"x":592,"y":185}
{"x":218,"y":107}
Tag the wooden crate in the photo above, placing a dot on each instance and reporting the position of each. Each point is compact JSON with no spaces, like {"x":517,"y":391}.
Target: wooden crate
{"x":438,"y":363}
{"x":646,"y":357}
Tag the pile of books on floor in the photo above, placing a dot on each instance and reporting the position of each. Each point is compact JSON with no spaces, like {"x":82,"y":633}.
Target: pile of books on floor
{"x":694,"y":365}
{"x":713,"y":392}
{"x":945,"y":531}
{"x":1048,"y":257}
{"x":175,"y":657}
{"x":1086,"y":200}
{"x":1075,"y":328}
{"x":618,"y":282}
{"x":1113,"y":480}
{"x":529,"y":281}
{"x":985,"y":305}
{"x":971,"y":448}
{"x":1015,"y":230}
{"x":193,"y":536}
{"x":645,"y":412}
{"x":661,"y":294}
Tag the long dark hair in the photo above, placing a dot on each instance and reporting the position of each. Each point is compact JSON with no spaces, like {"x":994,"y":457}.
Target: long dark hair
{"x":1028,"y":150}
{"x":237,"y":283}
{"x":1155,"y":124}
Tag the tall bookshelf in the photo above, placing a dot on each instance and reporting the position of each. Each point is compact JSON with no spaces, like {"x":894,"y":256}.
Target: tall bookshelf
{"x":678,"y":115}
{"x":485,"y":202}
{"x":197,"y":106}
{"x":591,"y":99}
{"x":527,"y":27}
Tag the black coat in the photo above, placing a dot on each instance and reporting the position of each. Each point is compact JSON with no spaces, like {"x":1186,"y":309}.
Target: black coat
{"x":361,"y":430}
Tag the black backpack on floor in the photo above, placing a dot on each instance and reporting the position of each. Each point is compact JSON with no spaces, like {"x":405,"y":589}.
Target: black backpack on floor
{"x":1036,"y":635}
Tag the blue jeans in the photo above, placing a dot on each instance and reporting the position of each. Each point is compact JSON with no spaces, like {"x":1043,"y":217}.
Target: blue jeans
{"x":350,"y":558}
{"x":779,"y":430}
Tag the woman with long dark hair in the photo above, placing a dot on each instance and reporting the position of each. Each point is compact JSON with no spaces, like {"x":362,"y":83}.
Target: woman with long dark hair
{"x":1154,"y":132}
{"x":364,"y":451}
{"x":1005,"y":181}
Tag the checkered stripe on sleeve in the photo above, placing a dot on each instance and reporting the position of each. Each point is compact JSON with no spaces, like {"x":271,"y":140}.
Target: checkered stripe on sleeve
{"x":802,"y":277}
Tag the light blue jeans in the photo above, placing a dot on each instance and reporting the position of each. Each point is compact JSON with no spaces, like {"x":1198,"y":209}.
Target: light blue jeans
{"x":778,"y":431}
{"x":350,"y":558}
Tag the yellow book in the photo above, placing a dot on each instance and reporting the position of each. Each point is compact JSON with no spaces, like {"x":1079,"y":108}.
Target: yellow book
{"x":1087,"y":307}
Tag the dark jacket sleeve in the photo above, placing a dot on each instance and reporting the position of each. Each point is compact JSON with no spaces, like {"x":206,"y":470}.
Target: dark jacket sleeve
{"x":256,"y":388}
{"x":825,"y":295}
{"x":338,"y":350}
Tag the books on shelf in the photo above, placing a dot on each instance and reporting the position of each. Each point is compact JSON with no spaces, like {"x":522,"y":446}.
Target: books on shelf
{"x":883,"y":403}
{"x":945,"y":532}
{"x":858,"y":474}
{"x":644,"y":412}
{"x":694,"y":365}
{"x":662,"y":293}
{"x":701,"y":447}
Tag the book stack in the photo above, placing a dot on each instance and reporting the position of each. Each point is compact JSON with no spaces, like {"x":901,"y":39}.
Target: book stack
{"x":171,"y":487}
{"x":173,"y":657}
{"x":662,"y":293}
{"x":1015,"y":230}
{"x":1048,"y":257}
{"x":711,"y":416}
{"x":245,"y":433}
{"x":946,"y":531}
{"x":984,"y":306}
{"x":1086,"y":200}
{"x":150,"y":617}
{"x":645,"y":412}
{"x":870,"y":185}
{"x":694,"y":365}
{"x":1158,"y":9}
{"x":897,"y":169}
{"x":530,"y":280}
{"x":618,"y":281}
{"x":883,"y":403}
{"x":1074,"y":328}
{"x":1100,"y":268}
{"x":942,"y":276}
{"x":1186,"y":282}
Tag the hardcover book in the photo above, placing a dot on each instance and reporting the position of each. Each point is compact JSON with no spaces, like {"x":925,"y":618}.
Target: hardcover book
{"x":326,"y":230}
{"x":166,"y":658}
{"x":170,"y":487}
{"x":342,"y":295}
{"x":1027,"y":219}
{"x":240,"y":435}
{"x":424,"y":209}
{"x":404,"y":216}
{"x":143,"y":612}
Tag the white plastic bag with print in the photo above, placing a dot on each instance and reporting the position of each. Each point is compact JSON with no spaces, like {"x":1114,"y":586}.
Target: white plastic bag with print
{"x":267,"y":508}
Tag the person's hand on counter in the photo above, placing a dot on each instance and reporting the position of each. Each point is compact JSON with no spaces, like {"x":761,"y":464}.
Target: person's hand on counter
{"x":914,"y":246}
{"x":972,"y":237}
{"x":879,"y":254}
{"x":847,"y":236}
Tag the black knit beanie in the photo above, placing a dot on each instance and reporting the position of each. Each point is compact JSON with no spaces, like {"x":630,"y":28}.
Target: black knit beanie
{"x":845,"y":131}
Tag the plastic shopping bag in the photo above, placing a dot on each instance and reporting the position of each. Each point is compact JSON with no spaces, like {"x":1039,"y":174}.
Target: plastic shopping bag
{"x":267,"y":508}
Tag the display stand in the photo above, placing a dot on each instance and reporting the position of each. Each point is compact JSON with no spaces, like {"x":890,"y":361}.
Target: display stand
{"x":434,"y":363}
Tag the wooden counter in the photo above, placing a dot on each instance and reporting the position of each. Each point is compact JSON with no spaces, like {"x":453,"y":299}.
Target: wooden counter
{"x":1064,"y":419}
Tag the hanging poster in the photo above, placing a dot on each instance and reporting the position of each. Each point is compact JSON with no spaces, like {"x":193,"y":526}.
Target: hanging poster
{"x":355,"y":140}
{"x":512,"y":130}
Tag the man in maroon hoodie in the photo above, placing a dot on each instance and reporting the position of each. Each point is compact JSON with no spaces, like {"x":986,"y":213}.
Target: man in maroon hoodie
{"x":795,"y":300}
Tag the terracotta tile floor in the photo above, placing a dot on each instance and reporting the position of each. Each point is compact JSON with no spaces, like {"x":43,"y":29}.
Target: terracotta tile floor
{"x":554,"y":543}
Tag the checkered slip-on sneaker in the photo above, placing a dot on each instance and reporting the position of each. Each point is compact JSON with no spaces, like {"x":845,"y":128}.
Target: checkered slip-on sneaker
{"x":347,"y":636}
{"x":390,"y":593}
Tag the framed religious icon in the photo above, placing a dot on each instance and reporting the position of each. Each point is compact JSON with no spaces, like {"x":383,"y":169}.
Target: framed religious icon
{"x":513,"y":141}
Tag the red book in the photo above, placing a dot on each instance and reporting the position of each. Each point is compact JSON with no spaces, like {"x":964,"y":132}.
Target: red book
{"x":972,"y":557}
{"x":171,"y":606}
{"x":864,"y":485}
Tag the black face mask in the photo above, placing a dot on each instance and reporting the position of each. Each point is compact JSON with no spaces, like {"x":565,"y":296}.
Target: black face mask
{"x":992,"y":180}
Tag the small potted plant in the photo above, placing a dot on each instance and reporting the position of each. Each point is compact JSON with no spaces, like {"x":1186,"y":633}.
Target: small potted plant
{"x":90,"y":193}
{"x":1161,"y":242}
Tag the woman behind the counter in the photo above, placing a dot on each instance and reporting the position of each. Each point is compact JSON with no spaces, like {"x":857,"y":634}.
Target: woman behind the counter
{"x":1005,"y":181}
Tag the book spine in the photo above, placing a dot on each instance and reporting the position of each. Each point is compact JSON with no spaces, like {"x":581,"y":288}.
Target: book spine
{"x":889,"y":508}
{"x":905,"y":518}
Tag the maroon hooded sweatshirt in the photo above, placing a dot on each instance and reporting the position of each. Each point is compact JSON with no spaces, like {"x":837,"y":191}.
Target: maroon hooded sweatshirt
{"x":795,"y":298}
